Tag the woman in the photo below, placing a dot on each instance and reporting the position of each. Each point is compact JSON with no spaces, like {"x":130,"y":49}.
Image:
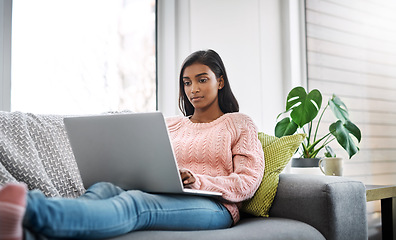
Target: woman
{"x":216,"y":148}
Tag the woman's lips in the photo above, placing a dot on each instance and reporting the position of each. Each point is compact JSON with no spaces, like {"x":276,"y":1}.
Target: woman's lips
{"x":196,"y":98}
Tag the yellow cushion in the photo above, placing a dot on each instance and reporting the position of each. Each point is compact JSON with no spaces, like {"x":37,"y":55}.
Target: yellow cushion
{"x":277,"y":153}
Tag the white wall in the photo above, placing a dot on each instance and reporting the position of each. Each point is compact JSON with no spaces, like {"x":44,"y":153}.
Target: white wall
{"x":248,"y":37}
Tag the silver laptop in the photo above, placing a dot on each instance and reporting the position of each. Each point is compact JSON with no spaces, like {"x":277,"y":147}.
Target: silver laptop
{"x":131,"y":150}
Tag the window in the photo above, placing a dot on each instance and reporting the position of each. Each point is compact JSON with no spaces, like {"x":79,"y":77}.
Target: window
{"x":83,"y":56}
{"x":351,"y":51}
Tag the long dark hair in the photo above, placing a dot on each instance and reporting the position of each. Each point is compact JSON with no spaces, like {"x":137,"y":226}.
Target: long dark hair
{"x":210,"y":58}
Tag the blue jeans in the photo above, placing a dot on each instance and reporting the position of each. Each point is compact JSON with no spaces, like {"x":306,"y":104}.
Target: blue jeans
{"x":106,"y":211}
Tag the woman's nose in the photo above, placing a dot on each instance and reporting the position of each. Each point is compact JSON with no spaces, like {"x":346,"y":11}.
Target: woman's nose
{"x":194,"y":88}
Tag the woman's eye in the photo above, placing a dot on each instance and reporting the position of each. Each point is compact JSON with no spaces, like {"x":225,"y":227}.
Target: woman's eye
{"x":187,"y":83}
{"x":203,"y":80}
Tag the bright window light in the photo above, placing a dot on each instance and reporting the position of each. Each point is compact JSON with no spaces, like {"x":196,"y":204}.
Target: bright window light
{"x":83,"y":56}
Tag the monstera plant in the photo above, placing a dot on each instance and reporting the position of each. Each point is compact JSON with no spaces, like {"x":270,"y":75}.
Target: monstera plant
{"x":303,"y":108}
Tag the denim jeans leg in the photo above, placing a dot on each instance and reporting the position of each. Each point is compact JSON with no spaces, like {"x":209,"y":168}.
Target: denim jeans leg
{"x":128,"y":211}
{"x":101,"y":190}
{"x":176,"y":212}
{"x":75,"y":218}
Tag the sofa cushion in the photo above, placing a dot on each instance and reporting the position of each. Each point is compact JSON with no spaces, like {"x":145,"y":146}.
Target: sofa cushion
{"x":277,"y":153}
{"x":248,"y":228}
{"x":35,"y":150}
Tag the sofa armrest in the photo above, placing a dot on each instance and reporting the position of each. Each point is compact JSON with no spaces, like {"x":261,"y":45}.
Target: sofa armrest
{"x":335,"y":206}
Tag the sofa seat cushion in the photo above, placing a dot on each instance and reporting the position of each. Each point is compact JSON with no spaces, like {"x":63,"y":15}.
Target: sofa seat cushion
{"x":247,"y":228}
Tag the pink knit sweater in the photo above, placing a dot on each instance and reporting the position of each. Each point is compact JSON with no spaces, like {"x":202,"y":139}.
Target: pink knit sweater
{"x":224,"y":155}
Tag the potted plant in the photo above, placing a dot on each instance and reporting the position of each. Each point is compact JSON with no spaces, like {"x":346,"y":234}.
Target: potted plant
{"x":302,"y":109}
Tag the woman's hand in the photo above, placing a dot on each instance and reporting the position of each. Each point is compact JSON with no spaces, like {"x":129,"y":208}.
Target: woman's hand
{"x":186,"y":177}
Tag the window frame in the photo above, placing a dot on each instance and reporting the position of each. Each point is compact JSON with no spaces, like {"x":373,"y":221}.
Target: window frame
{"x":5,"y":53}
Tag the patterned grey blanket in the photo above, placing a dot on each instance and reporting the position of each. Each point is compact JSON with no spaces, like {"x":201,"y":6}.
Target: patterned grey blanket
{"x":35,"y":149}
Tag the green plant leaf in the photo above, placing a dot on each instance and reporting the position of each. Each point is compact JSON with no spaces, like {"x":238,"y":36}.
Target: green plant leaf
{"x":339,"y":108}
{"x":353,"y":129}
{"x":342,"y":132}
{"x":285,"y":127}
{"x":304,"y":106}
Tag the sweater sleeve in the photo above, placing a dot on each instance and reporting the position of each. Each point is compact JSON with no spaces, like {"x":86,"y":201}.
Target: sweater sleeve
{"x":248,"y":162}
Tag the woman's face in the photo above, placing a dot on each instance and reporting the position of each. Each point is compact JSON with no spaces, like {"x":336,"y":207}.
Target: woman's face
{"x":201,"y":86}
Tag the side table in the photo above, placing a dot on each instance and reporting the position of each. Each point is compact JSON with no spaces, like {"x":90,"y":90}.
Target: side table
{"x":387,"y":195}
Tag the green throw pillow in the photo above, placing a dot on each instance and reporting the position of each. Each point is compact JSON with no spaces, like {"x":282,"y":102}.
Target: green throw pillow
{"x":277,"y":153}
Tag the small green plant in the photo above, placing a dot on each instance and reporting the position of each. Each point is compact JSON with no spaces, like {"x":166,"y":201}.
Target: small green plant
{"x":303,"y":108}
{"x":329,"y":152}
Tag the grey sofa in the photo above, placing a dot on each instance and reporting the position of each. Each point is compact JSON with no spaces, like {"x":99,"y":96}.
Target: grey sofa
{"x":34,"y":149}
{"x":305,"y":207}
